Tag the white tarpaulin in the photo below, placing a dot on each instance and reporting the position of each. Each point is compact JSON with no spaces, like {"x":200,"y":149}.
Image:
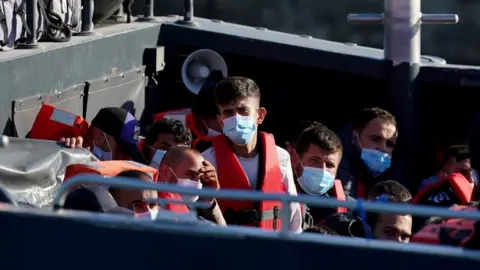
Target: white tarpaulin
{"x":32,"y":170}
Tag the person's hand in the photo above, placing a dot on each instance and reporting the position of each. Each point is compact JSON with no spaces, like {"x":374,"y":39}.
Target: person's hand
{"x":208,"y":177}
{"x":73,"y":142}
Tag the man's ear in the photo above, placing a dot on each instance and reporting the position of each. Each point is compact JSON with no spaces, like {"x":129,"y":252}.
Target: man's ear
{"x":262,"y":112}
{"x":220,"y":122}
{"x":295,"y":158}
{"x":356,"y":138}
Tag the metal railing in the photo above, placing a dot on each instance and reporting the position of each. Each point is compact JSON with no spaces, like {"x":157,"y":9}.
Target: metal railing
{"x":394,"y":208}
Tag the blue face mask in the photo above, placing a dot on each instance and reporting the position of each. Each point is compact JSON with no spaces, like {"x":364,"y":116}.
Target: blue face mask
{"x":157,"y":158}
{"x":316,"y":181}
{"x":102,"y":155}
{"x":239,"y":129}
{"x":376,"y":161}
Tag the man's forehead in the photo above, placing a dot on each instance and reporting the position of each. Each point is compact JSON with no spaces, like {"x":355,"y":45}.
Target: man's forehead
{"x":193,"y":163}
{"x":240,"y":103}
{"x":383,"y":128}
{"x":316,"y":151}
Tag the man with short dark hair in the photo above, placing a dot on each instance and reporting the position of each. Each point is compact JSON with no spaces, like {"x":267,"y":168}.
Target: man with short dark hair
{"x":186,"y":167}
{"x":390,"y":227}
{"x":319,"y":151}
{"x":455,"y":158}
{"x":94,"y":199}
{"x":135,"y":199}
{"x":163,"y":135}
{"x":250,"y":160}
{"x":205,"y":109}
{"x":389,"y":188}
{"x":455,"y":183}
{"x":113,"y":135}
{"x":373,"y":136}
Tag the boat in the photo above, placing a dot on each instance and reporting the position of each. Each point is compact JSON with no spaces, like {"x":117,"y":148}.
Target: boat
{"x":138,"y":66}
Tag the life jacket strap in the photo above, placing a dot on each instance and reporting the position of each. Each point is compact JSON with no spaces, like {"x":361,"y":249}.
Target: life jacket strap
{"x":245,"y":217}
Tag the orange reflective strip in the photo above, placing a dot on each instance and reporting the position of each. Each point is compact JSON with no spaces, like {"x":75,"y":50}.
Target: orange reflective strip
{"x":63,"y":117}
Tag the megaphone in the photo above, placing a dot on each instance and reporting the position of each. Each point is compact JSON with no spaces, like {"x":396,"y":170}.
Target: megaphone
{"x":197,"y":68}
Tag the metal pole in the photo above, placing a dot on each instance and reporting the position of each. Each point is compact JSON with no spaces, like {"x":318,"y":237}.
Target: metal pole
{"x":188,"y":15}
{"x":244,"y":195}
{"x":87,"y":18}
{"x":32,"y":23}
{"x":402,"y":21}
{"x":148,"y":8}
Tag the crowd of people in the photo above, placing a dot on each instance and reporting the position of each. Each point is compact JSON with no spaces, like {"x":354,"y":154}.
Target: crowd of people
{"x":217,"y":144}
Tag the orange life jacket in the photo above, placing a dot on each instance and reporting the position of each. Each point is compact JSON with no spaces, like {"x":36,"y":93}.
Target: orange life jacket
{"x":53,"y":124}
{"x":175,"y":207}
{"x":108,"y":168}
{"x":461,"y":186}
{"x":231,"y":175}
{"x":456,"y":232}
{"x":203,"y":143}
{"x":184,"y":115}
{"x":114,"y":167}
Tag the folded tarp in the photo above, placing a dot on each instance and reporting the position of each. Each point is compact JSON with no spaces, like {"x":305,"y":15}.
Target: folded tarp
{"x":32,"y":170}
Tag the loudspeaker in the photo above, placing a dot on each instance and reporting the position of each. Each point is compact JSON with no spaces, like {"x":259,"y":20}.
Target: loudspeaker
{"x":198,"y":66}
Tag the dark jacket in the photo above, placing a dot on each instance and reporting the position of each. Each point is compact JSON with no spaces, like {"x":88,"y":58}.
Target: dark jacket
{"x":313,"y":215}
{"x":346,"y":224}
{"x":353,"y":171}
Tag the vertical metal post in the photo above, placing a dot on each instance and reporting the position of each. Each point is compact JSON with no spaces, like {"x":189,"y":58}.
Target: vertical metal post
{"x":32,"y":23}
{"x":402,"y":50}
{"x":188,"y":14}
{"x":148,"y":8}
{"x":87,"y":18}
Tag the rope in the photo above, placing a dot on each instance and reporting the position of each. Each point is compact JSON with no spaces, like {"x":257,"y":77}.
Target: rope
{"x":54,"y":24}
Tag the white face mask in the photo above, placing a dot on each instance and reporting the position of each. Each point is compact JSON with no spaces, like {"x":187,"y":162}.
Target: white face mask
{"x":190,"y":184}
{"x":100,"y":154}
{"x":152,"y":214}
{"x":157,"y":158}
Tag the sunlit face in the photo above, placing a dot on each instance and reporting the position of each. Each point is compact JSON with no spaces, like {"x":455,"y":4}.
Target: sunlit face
{"x":164,"y":142}
{"x":378,"y":134}
{"x":246,"y":107}
{"x":187,"y":169}
{"x":396,"y":228}
{"x":319,"y":158}
{"x":135,"y":199}
{"x":107,"y":143}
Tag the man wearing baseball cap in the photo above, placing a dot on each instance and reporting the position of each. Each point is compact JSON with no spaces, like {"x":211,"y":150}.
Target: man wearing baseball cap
{"x":94,"y":199}
{"x":112,"y":135}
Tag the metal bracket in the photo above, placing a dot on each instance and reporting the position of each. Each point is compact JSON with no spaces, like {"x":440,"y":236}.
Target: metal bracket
{"x":402,"y":20}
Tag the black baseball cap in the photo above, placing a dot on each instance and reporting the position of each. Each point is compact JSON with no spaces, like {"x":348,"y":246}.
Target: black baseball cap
{"x":123,"y":127}
{"x":94,"y":199}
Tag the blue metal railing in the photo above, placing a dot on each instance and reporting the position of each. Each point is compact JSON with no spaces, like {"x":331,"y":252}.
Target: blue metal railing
{"x":120,"y":182}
